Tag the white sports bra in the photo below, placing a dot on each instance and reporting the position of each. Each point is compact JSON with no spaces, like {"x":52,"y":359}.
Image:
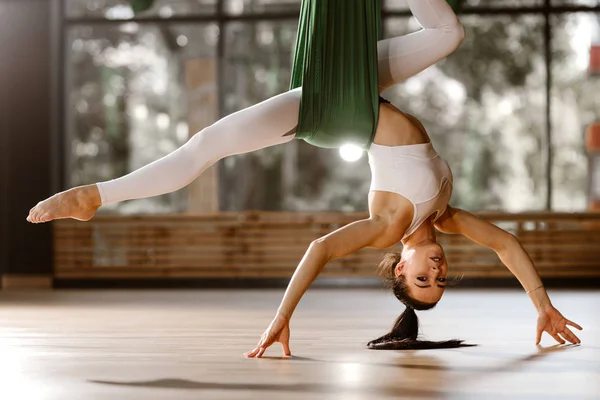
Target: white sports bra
{"x":415,"y":172}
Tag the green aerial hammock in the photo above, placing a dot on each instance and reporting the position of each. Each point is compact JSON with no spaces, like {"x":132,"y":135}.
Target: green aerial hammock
{"x":456,"y":4}
{"x":335,"y":63}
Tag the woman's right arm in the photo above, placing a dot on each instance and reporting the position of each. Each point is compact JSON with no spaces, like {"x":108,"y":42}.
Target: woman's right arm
{"x":337,"y":244}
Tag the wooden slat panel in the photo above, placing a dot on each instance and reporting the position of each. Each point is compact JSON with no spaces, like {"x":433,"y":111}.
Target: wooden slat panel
{"x":260,"y":244}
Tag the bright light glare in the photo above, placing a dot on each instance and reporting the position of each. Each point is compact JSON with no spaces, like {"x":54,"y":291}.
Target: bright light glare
{"x":163,"y":121}
{"x":182,"y":40}
{"x":350,"y":152}
{"x":119,"y":12}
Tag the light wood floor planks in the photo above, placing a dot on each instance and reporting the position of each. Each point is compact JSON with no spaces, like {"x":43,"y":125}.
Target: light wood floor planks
{"x":87,"y":345}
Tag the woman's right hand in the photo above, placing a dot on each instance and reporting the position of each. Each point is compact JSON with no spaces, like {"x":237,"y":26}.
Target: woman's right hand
{"x":278,"y":331}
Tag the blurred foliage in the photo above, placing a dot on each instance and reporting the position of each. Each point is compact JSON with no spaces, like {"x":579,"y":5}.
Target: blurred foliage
{"x":498,"y":55}
{"x":456,"y":4}
{"x":484,"y":107}
{"x":139,"y":6}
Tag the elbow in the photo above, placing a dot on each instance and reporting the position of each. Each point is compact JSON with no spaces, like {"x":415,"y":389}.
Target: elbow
{"x":507,"y":243}
{"x":319,"y":248}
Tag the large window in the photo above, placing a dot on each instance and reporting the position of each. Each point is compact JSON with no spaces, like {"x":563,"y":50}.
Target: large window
{"x":239,"y":7}
{"x":403,"y":4}
{"x":128,"y":103}
{"x":257,"y":58}
{"x":122,"y":9}
{"x":484,"y":109}
{"x":575,"y":105}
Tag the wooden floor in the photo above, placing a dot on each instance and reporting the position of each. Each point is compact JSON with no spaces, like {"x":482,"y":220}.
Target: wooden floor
{"x":189,"y":345}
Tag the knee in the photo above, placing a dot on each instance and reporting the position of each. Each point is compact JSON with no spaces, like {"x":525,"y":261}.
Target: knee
{"x":204,"y":143}
{"x":460,"y":31}
{"x":198,"y":141}
{"x":456,"y":33}
{"x":320,"y":248}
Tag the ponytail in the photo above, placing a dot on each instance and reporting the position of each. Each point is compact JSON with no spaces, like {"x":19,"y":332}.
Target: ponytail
{"x":404,"y":334}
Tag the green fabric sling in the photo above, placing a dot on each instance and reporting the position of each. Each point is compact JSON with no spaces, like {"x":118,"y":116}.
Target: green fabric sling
{"x":335,"y":63}
{"x":456,"y":4}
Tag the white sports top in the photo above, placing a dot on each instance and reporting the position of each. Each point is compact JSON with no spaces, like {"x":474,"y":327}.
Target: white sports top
{"x":415,"y":172}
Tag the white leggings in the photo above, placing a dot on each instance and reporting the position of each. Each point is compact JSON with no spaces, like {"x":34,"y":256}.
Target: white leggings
{"x":274,"y":120}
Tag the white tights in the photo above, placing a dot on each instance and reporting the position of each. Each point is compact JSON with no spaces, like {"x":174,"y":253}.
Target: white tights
{"x":274,"y":120}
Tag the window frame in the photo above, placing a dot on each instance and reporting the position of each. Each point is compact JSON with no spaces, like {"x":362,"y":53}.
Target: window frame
{"x":61,"y":24}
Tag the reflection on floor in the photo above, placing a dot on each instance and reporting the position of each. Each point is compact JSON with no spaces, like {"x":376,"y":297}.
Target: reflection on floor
{"x":189,"y":344}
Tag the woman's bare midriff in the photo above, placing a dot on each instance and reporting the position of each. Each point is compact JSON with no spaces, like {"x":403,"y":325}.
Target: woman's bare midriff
{"x":396,"y":128}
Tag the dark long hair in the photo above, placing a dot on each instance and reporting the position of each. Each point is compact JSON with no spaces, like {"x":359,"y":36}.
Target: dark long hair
{"x":405,"y":332}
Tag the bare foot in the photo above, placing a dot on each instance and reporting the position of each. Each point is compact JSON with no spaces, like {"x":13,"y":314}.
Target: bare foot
{"x":79,"y":203}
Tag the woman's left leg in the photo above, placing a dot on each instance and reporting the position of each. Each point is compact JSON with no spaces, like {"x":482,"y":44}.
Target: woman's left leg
{"x":405,"y":56}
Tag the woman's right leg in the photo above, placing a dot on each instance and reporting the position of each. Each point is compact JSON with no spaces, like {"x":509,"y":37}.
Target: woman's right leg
{"x":266,"y":124}
{"x":405,"y":56}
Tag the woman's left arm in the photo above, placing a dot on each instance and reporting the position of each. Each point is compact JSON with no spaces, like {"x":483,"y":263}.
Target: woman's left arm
{"x":513,"y":255}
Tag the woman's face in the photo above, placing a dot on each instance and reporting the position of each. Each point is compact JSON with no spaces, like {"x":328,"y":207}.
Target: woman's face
{"x":424,"y":268}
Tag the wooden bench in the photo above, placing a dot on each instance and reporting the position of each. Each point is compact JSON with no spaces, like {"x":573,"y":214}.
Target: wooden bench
{"x":270,"y":244}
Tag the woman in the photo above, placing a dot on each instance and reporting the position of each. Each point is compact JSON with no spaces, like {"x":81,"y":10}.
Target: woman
{"x":408,"y":201}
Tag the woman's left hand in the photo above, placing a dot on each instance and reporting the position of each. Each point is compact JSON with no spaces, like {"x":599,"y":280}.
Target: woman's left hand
{"x":550,"y":320}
